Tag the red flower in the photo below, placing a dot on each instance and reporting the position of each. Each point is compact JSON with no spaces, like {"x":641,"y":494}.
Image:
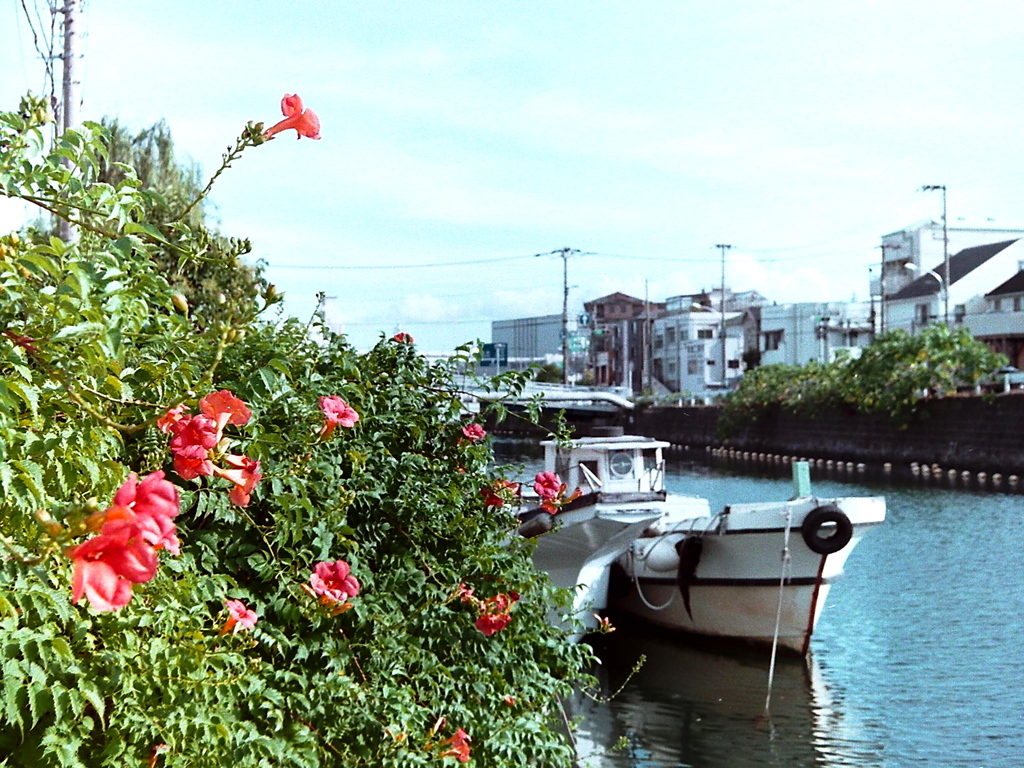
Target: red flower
{"x":194,"y":430}
{"x":495,"y":612}
{"x":239,"y":617}
{"x":474,"y":432}
{"x":304,"y":121}
{"x":488,"y":624}
{"x":547,"y":485}
{"x":224,"y":408}
{"x":336,"y":413}
{"x":192,"y":461}
{"x":500,"y":493}
{"x":333,"y":582}
{"x":169,"y":419}
{"x":402,"y":338}
{"x":244,"y":473}
{"x":138,"y":523}
{"x":460,"y":746}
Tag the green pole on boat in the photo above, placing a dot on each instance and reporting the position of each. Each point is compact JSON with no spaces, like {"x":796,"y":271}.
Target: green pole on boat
{"x":801,"y":479}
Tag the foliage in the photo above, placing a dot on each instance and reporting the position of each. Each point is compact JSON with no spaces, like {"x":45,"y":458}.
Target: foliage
{"x":890,"y":377}
{"x":94,"y":349}
{"x":549,"y":373}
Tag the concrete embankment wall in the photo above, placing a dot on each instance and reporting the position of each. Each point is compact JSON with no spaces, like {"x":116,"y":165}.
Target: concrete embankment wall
{"x":969,"y":434}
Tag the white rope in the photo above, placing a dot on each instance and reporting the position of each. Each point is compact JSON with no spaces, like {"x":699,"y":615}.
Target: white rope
{"x":636,"y":583}
{"x":778,"y":613}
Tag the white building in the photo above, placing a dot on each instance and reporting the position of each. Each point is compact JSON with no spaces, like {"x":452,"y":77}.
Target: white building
{"x":795,"y":334}
{"x":917,"y":250}
{"x":973,"y":273}
{"x":687,"y":349}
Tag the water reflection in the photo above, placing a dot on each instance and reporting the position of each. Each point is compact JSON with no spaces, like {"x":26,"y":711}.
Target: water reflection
{"x":700,"y":708}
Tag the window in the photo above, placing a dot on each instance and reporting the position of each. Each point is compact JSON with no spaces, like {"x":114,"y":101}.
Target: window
{"x":997,"y":305}
{"x":659,"y":341}
{"x":735,"y":364}
{"x":705,"y":333}
{"x":960,"y":311}
{"x":1016,"y":303}
{"x":670,"y":335}
{"x":693,"y":366}
{"x":921,"y":314}
{"x":772,"y":340}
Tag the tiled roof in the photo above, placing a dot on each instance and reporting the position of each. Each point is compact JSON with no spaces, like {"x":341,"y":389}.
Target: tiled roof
{"x":960,"y":264}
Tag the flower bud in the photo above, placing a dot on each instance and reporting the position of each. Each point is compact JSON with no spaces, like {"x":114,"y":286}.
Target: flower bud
{"x":180,"y":303}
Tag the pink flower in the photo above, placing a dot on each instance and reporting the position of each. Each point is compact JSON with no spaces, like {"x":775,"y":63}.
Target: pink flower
{"x":333,"y":582}
{"x":224,"y":408}
{"x":336,"y":413}
{"x":547,"y":485}
{"x":460,"y":746}
{"x":402,"y":338}
{"x":244,"y":473}
{"x":304,"y":121}
{"x":172,"y":417}
{"x":239,"y":617}
{"x":474,"y":432}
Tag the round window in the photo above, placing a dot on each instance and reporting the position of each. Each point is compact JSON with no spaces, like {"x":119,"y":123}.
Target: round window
{"x":622,"y":464}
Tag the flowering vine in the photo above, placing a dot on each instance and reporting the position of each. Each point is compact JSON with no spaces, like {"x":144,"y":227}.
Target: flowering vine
{"x":337,"y":413}
{"x":334,"y":585}
{"x":495,"y":612}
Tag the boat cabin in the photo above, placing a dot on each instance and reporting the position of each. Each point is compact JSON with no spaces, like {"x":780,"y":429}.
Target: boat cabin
{"x":627,"y":464}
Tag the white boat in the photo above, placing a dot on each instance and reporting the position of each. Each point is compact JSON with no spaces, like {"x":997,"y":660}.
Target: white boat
{"x":753,"y":572}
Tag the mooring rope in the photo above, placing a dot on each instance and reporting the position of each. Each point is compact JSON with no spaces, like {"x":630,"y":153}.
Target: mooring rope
{"x":636,"y":583}
{"x":786,"y":559}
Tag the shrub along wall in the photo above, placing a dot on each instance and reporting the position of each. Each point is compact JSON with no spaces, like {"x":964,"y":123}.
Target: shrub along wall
{"x":969,"y":433}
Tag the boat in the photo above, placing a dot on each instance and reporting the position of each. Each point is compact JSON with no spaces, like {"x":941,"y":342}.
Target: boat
{"x":756,"y":572}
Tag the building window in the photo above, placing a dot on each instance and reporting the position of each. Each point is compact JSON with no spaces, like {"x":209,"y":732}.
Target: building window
{"x":921,"y":313}
{"x":693,"y":366}
{"x":670,"y":335}
{"x":735,"y":364}
{"x":960,"y":311}
{"x":997,"y":305}
{"x":1016,"y":303}
{"x":772,"y":340}
{"x":853,"y":339}
{"x":705,"y":333}
{"x":659,"y":342}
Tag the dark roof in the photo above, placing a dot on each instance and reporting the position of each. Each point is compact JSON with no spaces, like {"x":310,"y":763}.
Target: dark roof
{"x":615,"y":298}
{"x":1014,"y":285}
{"x":960,"y":265}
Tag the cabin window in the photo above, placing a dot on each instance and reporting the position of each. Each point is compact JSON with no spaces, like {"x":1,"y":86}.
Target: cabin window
{"x":621,"y":464}
{"x":705,"y":333}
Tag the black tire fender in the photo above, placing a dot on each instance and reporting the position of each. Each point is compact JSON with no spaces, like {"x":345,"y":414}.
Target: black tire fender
{"x":817,"y":520}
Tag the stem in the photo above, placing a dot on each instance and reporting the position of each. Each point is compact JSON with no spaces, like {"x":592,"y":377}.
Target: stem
{"x":233,"y":153}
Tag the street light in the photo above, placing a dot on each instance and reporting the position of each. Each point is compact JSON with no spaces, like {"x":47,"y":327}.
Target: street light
{"x":945,"y":245}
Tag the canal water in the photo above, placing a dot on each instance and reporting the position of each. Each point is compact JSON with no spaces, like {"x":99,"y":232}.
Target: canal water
{"x":917,"y":659}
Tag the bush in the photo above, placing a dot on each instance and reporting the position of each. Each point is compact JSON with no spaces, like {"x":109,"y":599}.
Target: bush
{"x":232,"y":652}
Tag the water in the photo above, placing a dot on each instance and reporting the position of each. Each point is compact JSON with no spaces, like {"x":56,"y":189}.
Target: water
{"x":916,"y":660}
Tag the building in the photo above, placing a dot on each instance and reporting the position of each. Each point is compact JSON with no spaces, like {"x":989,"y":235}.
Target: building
{"x":530,"y":340}
{"x":619,"y":347}
{"x":910,"y":253}
{"x":974,"y":272}
{"x":796,"y":334}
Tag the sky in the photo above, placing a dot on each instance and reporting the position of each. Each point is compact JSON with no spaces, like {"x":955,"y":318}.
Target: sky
{"x":462,"y":139}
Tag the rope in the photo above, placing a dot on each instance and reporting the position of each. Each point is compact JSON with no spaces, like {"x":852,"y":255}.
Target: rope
{"x":778,"y":612}
{"x":636,"y":583}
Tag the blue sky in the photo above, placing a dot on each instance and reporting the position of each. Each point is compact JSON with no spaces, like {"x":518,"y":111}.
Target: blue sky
{"x":461,"y":138}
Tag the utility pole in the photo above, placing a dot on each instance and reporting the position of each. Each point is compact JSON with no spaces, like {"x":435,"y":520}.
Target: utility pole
{"x":565,"y":252}
{"x":723,"y":247}
{"x":945,"y":249}
{"x":69,"y":100}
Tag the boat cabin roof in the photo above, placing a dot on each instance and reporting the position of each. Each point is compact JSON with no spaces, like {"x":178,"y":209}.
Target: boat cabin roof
{"x":618,"y":443}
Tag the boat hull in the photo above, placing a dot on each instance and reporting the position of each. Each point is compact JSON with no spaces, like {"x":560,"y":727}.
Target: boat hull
{"x":756,"y":577}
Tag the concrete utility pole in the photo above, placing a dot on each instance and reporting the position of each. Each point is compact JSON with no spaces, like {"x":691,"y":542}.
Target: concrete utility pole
{"x":945,"y":249}
{"x":69,"y":100}
{"x":565,"y":311}
{"x":723,"y":247}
